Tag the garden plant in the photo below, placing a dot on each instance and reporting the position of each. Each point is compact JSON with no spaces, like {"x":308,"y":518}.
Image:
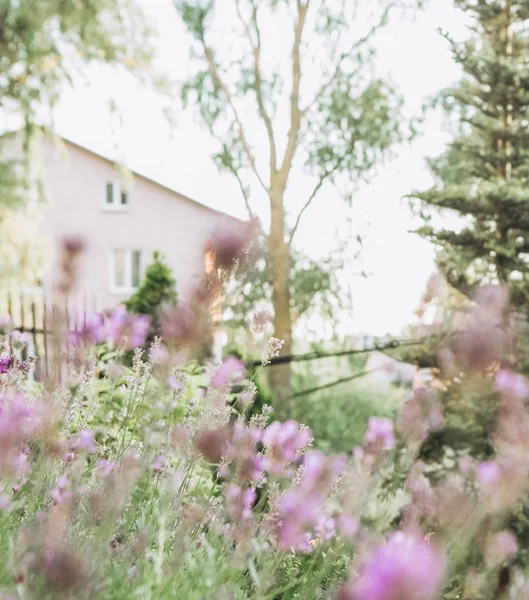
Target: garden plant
{"x":151,"y":482}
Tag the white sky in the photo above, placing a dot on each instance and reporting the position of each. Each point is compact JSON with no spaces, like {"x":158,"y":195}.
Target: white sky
{"x":411,"y":53}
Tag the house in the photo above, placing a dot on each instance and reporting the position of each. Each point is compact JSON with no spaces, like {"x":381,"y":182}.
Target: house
{"x":122,"y":219}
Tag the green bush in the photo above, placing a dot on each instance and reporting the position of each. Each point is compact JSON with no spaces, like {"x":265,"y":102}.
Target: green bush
{"x":338,"y":417}
{"x":158,"y":289}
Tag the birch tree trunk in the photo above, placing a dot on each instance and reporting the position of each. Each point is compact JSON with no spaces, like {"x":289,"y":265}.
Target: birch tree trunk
{"x":279,"y":258}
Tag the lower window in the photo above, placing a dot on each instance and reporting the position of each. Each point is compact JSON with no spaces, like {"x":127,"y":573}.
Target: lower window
{"x":124,"y":270}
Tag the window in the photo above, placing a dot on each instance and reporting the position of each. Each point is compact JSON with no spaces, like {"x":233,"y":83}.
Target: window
{"x":125,"y":270}
{"x":115,"y":198}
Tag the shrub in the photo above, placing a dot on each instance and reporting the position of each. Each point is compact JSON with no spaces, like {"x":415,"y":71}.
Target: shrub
{"x":157,"y":290}
{"x":339,"y":418}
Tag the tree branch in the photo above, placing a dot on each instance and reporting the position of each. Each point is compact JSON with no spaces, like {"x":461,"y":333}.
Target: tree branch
{"x":214,"y":71}
{"x":295,"y":112}
{"x":320,"y":183}
{"x":305,"y":206}
{"x":244,"y":191}
{"x":256,"y":50}
{"x":357,"y":44}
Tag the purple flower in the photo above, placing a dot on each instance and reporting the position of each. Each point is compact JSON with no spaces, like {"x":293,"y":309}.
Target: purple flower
{"x":499,"y":548}
{"x":512,"y":384}
{"x":326,"y":528}
{"x":239,"y":502}
{"x":284,"y":443}
{"x":230,"y":371}
{"x":420,"y":415}
{"x":158,"y":463}
{"x":347,"y":525}
{"x":488,"y":474}
{"x":93,"y":331}
{"x":134,"y":327}
{"x":301,"y":508}
{"x":86,"y":441}
{"x":406,"y":567}
{"x":139,"y":325}
{"x":105,"y":468}
{"x":380,"y":433}
{"x":69,"y":457}
{"x":15,"y":429}
{"x":6,"y":363}
{"x":60,"y":493}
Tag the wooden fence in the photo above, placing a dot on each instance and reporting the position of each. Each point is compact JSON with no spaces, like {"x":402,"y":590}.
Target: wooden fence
{"x":31,"y":312}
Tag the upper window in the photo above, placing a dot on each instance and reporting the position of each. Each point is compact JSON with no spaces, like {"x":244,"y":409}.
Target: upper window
{"x":115,"y":198}
{"x":124,"y":270}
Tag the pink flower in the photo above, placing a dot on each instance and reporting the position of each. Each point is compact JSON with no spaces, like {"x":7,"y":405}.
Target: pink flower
{"x":407,"y":567}
{"x":134,"y":327}
{"x":15,"y":428}
{"x":230,"y":371}
{"x":158,"y":463}
{"x":60,"y":493}
{"x":239,"y":502}
{"x":139,"y":325}
{"x":347,"y":525}
{"x":500,"y":548}
{"x":325,"y":528}
{"x":512,"y":384}
{"x":93,"y":331}
{"x":488,"y":474}
{"x":105,"y":468}
{"x":380,"y":433}
{"x":285,"y":443}
{"x":86,"y":441}
{"x":6,"y":363}
{"x":301,"y":508}
{"x":420,"y":415}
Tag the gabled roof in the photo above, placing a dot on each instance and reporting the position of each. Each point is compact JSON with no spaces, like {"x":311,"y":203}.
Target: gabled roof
{"x":135,"y":173}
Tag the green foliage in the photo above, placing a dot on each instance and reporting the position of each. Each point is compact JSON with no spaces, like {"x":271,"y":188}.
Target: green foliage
{"x":314,"y":285}
{"x":484,"y":176}
{"x":341,"y":121}
{"x":43,"y":45}
{"x":338,"y":417}
{"x":156,"y":291}
{"x":41,"y":41}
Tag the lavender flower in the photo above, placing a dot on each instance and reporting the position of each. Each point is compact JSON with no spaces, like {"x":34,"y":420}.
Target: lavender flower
{"x":499,"y":548}
{"x":284,"y":443}
{"x":86,"y":441}
{"x":512,"y":385}
{"x":158,"y":463}
{"x":407,"y":567}
{"x":230,"y":371}
{"x":380,"y":433}
{"x":6,"y":363}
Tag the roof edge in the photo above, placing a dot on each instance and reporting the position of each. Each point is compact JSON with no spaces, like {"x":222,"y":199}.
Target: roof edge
{"x":135,"y":173}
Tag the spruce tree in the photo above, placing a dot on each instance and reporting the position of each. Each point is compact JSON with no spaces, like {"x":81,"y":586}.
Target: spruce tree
{"x":484,"y":174}
{"x":157,"y":291}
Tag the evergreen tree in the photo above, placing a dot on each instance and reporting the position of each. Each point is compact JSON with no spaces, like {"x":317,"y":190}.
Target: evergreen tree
{"x":157,"y":290}
{"x":484,"y":175}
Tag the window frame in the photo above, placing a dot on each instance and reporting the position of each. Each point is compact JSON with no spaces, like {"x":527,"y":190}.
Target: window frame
{"x":128,"y":287}
{"x":117,"y":197}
